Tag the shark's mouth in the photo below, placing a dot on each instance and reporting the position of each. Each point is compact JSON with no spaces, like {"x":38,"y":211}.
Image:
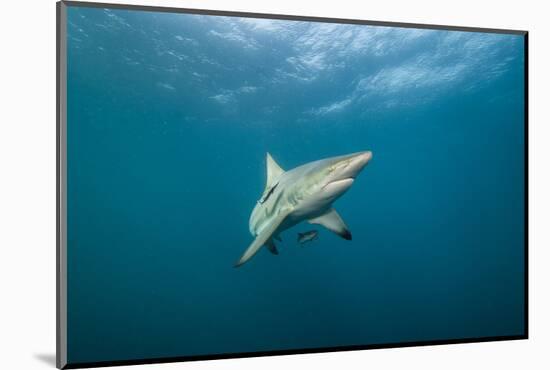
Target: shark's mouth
{"x":340,"y":184}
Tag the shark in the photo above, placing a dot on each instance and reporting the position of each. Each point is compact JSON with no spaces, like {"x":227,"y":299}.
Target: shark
{"x":304,"y":193}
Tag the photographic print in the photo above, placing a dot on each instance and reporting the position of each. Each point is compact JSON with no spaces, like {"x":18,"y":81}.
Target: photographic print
{"x":238,"y":185}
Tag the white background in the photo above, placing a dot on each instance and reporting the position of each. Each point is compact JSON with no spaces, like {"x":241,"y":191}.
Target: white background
{"x":27,"y":182}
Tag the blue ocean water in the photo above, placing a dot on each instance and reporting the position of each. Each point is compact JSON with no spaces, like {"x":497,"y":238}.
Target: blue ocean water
{"x":170,"y":117}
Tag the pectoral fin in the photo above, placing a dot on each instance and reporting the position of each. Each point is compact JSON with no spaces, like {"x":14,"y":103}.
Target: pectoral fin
{"x":332,"y":221}
{"x":262,"y":238}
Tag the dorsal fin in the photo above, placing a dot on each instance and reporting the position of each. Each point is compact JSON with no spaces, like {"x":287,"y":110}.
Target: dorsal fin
{"x":273,"y":170}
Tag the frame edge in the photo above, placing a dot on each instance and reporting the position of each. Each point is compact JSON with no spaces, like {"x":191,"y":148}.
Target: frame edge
{"x":229,"y":13}
{"x":61,"y":185}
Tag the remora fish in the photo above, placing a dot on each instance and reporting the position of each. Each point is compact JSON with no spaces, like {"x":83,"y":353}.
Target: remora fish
{"x":305,"y":193}
{"x":308,"y":236}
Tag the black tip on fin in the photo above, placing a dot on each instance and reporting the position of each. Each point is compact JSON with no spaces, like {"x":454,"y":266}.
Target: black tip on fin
{"x":238,"y":264}
{"x":346,"y":235}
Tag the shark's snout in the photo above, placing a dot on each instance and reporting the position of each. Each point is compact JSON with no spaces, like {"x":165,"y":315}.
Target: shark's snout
{"x":350,"y":166}
{"x":360,"y":160}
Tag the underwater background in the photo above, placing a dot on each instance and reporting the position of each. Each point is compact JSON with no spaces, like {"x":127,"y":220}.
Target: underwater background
{"x":170,"y":117}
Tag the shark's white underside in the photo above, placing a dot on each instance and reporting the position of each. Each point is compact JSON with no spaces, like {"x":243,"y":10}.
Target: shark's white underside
{"x":305,"y":193}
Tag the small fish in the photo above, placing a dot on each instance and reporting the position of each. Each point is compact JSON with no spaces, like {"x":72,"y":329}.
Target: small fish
{"x":262,"y":201}
{"x":308,"y":236}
